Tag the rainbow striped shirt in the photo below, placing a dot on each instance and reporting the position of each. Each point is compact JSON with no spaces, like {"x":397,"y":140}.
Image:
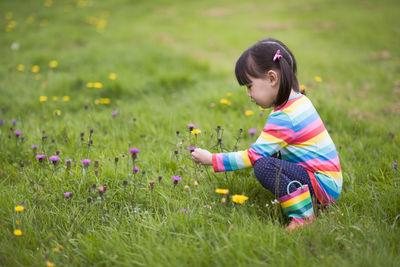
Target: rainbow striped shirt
{"x":297,"y":131}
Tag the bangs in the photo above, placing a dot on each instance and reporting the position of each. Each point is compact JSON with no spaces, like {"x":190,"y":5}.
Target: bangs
{"x":245,"y":67}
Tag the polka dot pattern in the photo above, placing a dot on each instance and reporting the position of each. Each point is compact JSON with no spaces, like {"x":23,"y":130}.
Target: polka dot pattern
{"x":273,"y":171}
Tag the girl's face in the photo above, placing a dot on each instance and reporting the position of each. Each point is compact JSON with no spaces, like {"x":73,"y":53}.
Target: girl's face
{"x":264,"y":91}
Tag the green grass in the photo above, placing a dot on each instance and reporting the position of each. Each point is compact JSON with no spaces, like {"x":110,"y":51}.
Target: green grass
{"x":174,"y":62}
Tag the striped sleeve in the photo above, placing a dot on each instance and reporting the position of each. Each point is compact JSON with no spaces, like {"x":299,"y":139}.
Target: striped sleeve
{"x":277,"y":134}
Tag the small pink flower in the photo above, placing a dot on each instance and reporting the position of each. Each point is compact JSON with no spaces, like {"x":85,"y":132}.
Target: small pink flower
{"x":176,"y":179}
{"x":40,"y":157}
{"x":134,"y":151}
{"x":252,"y":131}
{"x":68,"y":194}
{"x":85,"y":162}
{"x":54,"y":159}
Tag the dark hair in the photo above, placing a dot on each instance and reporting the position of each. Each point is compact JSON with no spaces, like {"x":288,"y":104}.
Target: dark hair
{"x":257,"y":60}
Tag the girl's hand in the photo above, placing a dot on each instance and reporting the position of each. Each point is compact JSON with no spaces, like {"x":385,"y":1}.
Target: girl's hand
{"x":202,"y":156}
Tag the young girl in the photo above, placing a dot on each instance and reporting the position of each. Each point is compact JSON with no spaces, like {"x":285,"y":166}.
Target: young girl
{"x":293,"y":129}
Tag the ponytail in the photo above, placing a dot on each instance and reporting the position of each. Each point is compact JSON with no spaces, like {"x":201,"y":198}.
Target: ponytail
{"x":288,"y":81}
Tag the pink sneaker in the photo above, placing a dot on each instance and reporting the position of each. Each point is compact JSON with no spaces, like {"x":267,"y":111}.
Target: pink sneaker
{"x":296,"y":223}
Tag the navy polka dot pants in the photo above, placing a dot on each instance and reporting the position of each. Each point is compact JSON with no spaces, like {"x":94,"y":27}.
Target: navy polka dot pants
{"x":275,"y":174}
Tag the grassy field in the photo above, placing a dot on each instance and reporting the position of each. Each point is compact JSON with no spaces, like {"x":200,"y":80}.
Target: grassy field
{"x":135,"y":73}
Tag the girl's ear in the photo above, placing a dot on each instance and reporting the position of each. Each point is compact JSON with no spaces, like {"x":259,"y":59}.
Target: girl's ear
{"x":273,"y":77}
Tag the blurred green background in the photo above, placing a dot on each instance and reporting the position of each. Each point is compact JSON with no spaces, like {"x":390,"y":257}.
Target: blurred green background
{"x":159,"y":65}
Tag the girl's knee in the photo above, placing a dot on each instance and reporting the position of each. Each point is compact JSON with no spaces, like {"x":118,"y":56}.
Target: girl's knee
{"x":265,"y":163}
{"x":263,"y":167}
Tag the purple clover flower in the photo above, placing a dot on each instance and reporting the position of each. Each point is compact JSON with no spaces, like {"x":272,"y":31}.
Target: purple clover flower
{"x":135,"y":170}
{"x":176,"y":179}
{"x":14,"y":121}
{"x":40,"y":157}
{"x":34,"y":147}
{"x":191,"y":126}
{"x":85,"y":162}
{"x":252,"y":131}
{"x":17,"y":133}
{"x":68,"y":161}
{"x":191,"y":148}
{"x":54,"y":159}
{"x":1,"y":122}
{"x":395,"y":164}
{"x":68,"y":194}
{"x":183,"y":210}
{"x":134,"y":151}
{"x":114,"y":113}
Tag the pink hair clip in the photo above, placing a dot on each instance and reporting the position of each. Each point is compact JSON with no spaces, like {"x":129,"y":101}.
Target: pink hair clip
{"x":277,"y":55}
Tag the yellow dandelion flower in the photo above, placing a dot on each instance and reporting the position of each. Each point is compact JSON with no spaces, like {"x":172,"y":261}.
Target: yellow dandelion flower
{"x":67,"y":8}
{"x":56,"y":250}
{"x":48,"y":3}
{"x":38,"y":77}
{"x":35,"y":68}
{"x":239,"y":198}
{"x":19,"y":208}
{"x":43,"y":98}
{"x":89,"y":85}
{"x":196,"y":131}
{"x":81,"y":3}
{"x":53,"y":64}
{"x":17,"y":222}
{"x":222,"y":191}
{"x":9,"y":15}
{"x":225,"y":101}
{"x":302,"y":87}
{"x":49,"y":264}
{"x":105,"y":101}
{"x":55,"y":99}
{"x":57,"y":112}
{"x":17,"y":232}
{"x":249,"y":112}
{"x":30,"y":19}
{"x":51,"y":235}
{"x":20,"y":67}
{"x":101,"y":24}
{"x":43,"y":23}
{"x":318,"y":79}
{"x":12,"y":24}
{"x":65,"y":98}
{"x":228,"y":94}
{"x":97,"y":101}
{"x":112,"y":76}
{"x":196,"y":183}
{"x":97,"y":85}
{"x":223,"y":200}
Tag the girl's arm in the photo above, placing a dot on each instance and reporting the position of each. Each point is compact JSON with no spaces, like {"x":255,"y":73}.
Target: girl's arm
{"x":277,"y":133}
